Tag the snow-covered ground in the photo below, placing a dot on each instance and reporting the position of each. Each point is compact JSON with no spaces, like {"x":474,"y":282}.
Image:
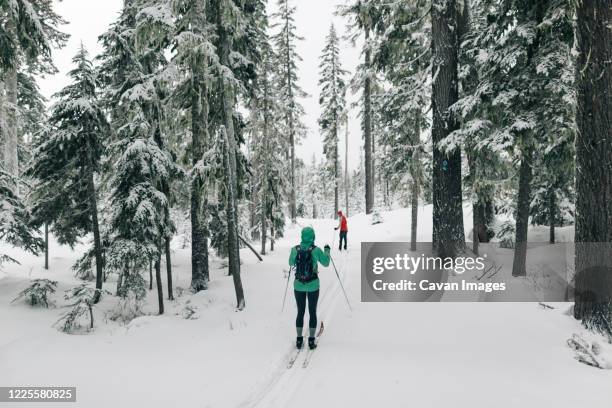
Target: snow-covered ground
{"x":380,"y":354}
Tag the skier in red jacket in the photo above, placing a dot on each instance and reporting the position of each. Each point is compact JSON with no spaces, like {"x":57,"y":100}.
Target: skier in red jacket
{"x":343,"y":229}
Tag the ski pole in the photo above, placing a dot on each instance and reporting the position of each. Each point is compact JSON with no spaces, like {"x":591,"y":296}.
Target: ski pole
{"x":286,"y":288}
{"x":340,"y":282}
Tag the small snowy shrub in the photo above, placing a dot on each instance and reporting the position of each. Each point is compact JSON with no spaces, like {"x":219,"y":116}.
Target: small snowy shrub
{"x":37,"y":294}
{"x":127,"y":309}
{"x":133,"y":284}
{"x":190,"y":312}
{"x":82,"y":301}
{"x":505,"y":234}
{"x":376,"y":217}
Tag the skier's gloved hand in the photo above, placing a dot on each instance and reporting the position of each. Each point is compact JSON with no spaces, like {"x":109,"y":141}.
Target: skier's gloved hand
{"x":327,"y":248}
{"x":335,"y":229}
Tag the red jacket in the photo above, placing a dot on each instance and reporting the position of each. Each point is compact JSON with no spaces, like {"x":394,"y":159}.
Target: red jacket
{"x":343,"y":223}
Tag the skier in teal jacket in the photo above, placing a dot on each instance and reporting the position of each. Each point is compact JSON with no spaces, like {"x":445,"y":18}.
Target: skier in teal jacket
{"x":305,"y":258}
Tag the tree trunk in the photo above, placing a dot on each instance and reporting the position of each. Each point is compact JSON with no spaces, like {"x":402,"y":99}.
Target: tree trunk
{"x":346,"y":172}
{"x":46,"y":246}
{"x":522,"y":214}
{"x":169,"y":269}
{"x":415,"y":214}
{"x":93,"y":213}
{"x":199,"y":134}
{"x":367,"y":129}
{"x":263,"y":231}
{"x":448,"y":234}
{"x":232,"y":235}
{"x":552,"y":212}
{"x":271,"y":237}
{"x":160,"y":289}
{"x":10,"y":132}
{"x":336,"y":173}
{"x":150,"y":275}
{"x":593,"y":157}
{"x":416,"y":172}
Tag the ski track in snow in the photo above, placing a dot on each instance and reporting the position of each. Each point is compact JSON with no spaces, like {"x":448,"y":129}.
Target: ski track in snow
{"x":281,"y":386}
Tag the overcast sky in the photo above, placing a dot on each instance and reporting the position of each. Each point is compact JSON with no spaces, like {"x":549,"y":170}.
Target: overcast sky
{"x":87,"y":19}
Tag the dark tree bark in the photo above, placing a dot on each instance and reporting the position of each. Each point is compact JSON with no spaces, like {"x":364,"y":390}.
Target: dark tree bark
{"x":336,"y":173}
{"x":522,"y":214}
{"x":150,"y":275}
{"x":593,"y":157}
{"x":160,"y":289}
{"x":367,"y":129}
{"x":552,"y":212}
{"x":346,"y":172}
{"x":169,"y":269}
{"x":93,"y":213}
{"x":199,"y":233}
{"x":46,"y":246}
{"x":447,"y":195}
{"x":232,"y":236}
{"x":526,"y":143}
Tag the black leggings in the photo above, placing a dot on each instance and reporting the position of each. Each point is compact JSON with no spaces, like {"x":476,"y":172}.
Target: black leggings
{"x":300,"y":298}
{"x":342,"y":238}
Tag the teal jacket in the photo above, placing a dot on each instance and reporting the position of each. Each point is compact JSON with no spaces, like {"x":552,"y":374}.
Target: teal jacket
{"x":318,"y":256}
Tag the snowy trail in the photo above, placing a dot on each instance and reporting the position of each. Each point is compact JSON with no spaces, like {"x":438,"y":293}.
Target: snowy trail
{"x":380,"y":354}
{"x":433,"y":354}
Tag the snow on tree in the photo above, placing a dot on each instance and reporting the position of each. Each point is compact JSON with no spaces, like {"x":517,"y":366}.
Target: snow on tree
{"x":194,"y":57}
{"x":333,"y":105}
{"x":402,"y":55}
{"x":290,"y":92}
{"x":269,"y":145}
{"x":139,"y":78}
{"x":29,"y":32}
{"x":66,"y":162}
{"x":520,"y":103}
{"x":363,"y":19}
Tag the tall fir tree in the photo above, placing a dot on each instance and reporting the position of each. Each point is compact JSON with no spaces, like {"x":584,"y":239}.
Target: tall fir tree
{"x":66,"y":163}
{"x":333,"y":105}
{"x":363,"y":19}
{"x":29,"y":33}
{"x":290,"y":92}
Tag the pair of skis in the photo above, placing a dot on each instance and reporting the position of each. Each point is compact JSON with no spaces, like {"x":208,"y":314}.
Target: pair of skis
{"x":309,"y":352}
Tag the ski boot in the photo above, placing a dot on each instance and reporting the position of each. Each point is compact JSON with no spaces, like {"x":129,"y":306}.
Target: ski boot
{"x":311,"y":343}
{"x":299,"y":342}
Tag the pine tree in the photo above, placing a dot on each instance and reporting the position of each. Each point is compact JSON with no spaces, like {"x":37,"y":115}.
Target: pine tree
{"x":138,"y":78}
{"x":363,"y":18}
{"x":289,"y":90}
{"x":195,"y":57}
{"x":593,"y":157}
{"x":29,"y":32}
{"x":521,"y":104}
{"x":269,"y":144}
{"x":333,"y":105}
{"x":67,"y":161}
{"x":402,"y":57}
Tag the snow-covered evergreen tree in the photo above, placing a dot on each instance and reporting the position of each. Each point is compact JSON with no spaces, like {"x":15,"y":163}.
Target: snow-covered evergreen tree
{"x":28,"y":34}
{"x":139,"y":77}
{"x":522,"y":101}
{"x":66,"y":162}
{"x":290,"y":92}
{"x":195,"y":57}
{"x":402,"y":55}
{"x":363,"y":19}
{"x":333,"y":105}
